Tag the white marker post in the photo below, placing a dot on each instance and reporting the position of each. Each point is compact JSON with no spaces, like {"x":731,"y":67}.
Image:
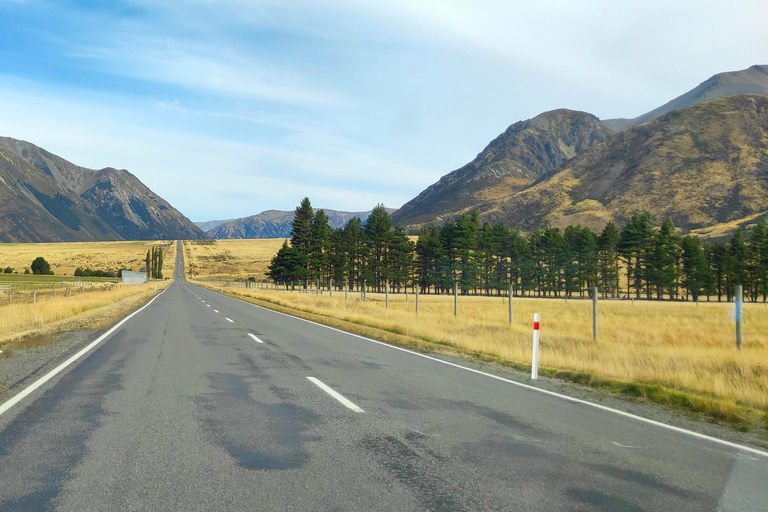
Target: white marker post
{"x":535,"y":362}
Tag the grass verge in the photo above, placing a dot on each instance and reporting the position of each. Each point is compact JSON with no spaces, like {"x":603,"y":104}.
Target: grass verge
{"x":91,"y":312}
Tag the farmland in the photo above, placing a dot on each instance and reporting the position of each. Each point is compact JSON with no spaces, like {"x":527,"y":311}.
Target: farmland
{"x":45,"y":304}
{"x":64,"y":258}
{"x":230,"y":259}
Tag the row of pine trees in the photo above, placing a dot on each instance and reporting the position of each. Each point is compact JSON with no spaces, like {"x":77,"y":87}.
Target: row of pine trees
{"x":154,"y":262}
{"x":642,"y":260}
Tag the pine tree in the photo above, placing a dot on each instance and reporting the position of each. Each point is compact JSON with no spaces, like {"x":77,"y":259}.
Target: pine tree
{"x":739,"y":254}
{"x":465,"y":241}
{"x":607,"y":246}
{"x":378,"y":229}
{"x":759,"y":245}
{"x":665,"y":261}
{"x":399,"y":260}
{"x":694,"y":267}
{"x":149,"y":264}
{"x":320,"y":237}
{"x":301,"y":229}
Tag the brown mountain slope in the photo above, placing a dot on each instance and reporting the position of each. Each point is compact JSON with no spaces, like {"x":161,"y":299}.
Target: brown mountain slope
{"x":753,"y":80}
{"x":526,"y":151}
{"x":34,"y":208}
{"x":702,"y":165}
{"x":113,"y":199}
{"x":276,"y":224}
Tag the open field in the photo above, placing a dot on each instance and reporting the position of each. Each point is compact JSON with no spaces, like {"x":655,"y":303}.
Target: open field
{"x":671,"y":345}
{"x":230,"y":259}
{"x":64,"y":258}
{"x":22,"y":318}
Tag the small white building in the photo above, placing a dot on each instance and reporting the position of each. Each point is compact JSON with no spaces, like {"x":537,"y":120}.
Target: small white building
{"x":134,"y":277}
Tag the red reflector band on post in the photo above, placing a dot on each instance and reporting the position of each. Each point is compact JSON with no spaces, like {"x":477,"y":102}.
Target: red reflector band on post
{"x":535,"y":326}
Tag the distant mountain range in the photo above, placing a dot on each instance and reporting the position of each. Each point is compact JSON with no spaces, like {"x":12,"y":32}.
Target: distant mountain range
{"x":701,"y":159}
{"x":276,"y":224}
{"x":210,"y":224}
{"x":44,"y":198}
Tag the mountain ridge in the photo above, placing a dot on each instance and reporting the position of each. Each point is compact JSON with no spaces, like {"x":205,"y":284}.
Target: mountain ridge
{"x":703,"y":165}
{"x":753,"y":80}
{"x":48,"y":198}
{"x":524,"y":152}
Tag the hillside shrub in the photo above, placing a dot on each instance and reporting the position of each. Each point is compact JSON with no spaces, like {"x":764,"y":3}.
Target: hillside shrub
{"x":8,"y":270}
{"x":41,"y":267}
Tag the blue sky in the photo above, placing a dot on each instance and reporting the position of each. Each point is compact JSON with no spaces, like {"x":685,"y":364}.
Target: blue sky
{"x":228,"y":108}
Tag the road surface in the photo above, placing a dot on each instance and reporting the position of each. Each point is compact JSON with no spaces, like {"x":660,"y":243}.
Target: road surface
{"x":204,"y":402}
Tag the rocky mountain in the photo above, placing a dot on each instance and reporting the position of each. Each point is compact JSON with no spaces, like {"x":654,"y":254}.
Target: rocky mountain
{"x":276,"y":224}
{"x":748,"y":81}
{"x":44,"y":198}
{"x":525,"y":152}
{"x":702,"y":166}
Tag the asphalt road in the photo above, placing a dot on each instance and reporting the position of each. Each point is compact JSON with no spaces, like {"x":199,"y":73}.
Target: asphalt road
{"x":204,"y":402}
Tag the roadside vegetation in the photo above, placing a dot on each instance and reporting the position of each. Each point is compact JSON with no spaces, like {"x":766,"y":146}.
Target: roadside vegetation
{"x":23,"y":319}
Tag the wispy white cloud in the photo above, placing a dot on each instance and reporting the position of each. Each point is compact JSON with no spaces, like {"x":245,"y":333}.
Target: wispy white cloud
{"x":201,"y":67}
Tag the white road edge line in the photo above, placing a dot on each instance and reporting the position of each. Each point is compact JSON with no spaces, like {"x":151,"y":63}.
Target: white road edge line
{"x":230,"y":320}
{"x":255,"y":338}
{"x":531,"y":388}
{"x":335,"y":395}
{"x":42,"y":380}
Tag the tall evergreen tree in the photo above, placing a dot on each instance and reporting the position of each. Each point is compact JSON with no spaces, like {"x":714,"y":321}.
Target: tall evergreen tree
{"x":319,"y":246}
{"x":465,"y":239}
{"x":378,"y":228}
{"x":608,"y":260}
{"x":759,"y":244}
{"x":695,"y":268}
{"x":665,"y":260}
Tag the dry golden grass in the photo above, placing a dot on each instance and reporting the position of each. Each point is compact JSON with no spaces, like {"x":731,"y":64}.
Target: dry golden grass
{"x":678,"y":345}
{"x":229,"y":259}
{"x":48,"y":315}
{"x":64,"y":258}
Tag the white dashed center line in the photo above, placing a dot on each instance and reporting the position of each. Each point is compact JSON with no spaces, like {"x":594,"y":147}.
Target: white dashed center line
{"x":230,"y":320}
{"x":335,"y":395}
{"x":215,"y":310}
{"x":256,"y":339}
